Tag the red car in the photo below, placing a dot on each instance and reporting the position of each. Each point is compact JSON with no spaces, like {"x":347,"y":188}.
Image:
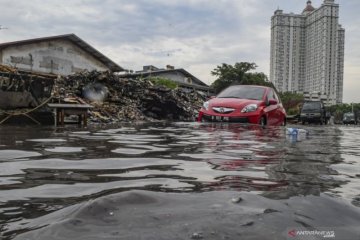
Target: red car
{"x":245,"y":104}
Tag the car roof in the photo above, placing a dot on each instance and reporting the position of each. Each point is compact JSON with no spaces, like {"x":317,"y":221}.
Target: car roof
{"x":312,"y":101}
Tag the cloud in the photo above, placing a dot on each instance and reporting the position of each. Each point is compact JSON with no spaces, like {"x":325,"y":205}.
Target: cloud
{"x":196,"y":35}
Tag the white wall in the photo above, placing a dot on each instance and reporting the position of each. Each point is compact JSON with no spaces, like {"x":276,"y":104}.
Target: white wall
{"x":56,"y":56}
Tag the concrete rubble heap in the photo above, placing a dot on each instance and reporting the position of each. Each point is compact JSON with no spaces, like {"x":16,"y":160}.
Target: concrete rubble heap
{"x":124,"y":99}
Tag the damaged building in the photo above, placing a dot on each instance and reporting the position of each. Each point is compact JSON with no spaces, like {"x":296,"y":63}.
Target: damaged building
{"x":183,"y":78}
{"x":60,"y":55}
{"x":30,"y":67}
{"x":40,"y":77}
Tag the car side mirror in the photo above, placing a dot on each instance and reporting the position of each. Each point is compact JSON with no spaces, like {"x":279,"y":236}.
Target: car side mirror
{"x":211,"y":97}
{"x":273,"y":102}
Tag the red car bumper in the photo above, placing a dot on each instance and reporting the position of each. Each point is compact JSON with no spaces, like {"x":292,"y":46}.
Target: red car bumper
{"x":252,"y":118}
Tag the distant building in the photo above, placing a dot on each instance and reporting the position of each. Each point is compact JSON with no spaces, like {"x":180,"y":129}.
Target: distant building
{"x":307,"y":51}
{"x":60,"y":55}
{"x":179,"y":75}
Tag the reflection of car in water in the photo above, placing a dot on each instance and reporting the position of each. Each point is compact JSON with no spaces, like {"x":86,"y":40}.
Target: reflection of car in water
{"x":349,"y":118}
{"x":313,"y":112}
{"x":245,"y":104}
{"x":237,"y":149}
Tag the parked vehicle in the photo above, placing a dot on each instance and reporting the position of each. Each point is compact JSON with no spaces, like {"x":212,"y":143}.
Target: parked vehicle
{"x":245,"y":104}
{"x":313,"y":112}
{"x":349,"y":118}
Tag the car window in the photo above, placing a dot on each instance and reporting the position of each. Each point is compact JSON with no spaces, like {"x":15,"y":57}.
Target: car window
{"x":243,"y":92}
{"x":276,"y":97}
{"x":270,"y":94}
{"x":311,"y":106}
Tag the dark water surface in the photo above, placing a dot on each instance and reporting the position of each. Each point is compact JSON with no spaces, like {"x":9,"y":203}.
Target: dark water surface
{"x":178,"y":181}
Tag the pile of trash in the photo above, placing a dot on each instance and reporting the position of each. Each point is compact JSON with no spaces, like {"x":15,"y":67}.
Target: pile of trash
{"x":117,"y":99}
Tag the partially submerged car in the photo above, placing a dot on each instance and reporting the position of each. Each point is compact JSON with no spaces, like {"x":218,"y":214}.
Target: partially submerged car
{"x":244,"y":104}
{"x":313,"y":112}
{"x":349,"y":118}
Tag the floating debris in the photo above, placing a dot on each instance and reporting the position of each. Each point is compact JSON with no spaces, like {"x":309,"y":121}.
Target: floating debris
{"x":197,"y":235}
{"x":248,"y":224}
{"x":236,"y":199}
{"x":269,"y":210}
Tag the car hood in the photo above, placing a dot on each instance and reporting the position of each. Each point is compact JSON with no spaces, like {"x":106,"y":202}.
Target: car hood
{"x":235,"y":103}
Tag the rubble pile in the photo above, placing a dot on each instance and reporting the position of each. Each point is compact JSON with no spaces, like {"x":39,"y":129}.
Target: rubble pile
{"x":117,"y":99}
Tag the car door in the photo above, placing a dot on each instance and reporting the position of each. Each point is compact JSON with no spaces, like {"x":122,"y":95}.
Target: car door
{"x":271,"y":110}
{"x":279,"y":110}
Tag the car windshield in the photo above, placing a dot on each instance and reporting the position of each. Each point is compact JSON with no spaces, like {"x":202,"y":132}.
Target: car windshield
{"x":243,"y":92}
{"x":311,"y":106}
{"x":348,"y":115}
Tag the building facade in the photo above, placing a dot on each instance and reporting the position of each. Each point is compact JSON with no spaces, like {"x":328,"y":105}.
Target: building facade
{"x":60,"y":55}
{"x":307,"y":51}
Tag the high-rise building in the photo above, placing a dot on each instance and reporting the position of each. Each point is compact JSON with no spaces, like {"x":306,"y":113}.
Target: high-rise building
{"x":307,"y":51}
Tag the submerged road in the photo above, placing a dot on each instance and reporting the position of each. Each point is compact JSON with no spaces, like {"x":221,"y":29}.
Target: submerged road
{"x":179,"y":181}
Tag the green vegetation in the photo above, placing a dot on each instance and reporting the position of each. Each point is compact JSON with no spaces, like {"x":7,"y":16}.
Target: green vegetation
{"x":338,"y":110}
{"x":238,"y":74}
{"x":291,"y":102}
{"x":165,"y":82}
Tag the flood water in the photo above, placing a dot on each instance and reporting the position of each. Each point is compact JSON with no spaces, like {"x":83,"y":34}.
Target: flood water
{"x":178,"y":181}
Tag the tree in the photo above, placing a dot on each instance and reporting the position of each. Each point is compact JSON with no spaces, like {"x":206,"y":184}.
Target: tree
{"x":338,"y":110}
{"x":238,"y":74}
{"x":291,"y":102}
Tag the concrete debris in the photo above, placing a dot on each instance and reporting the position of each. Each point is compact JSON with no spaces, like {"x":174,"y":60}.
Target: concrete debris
{"x":117,"y":99}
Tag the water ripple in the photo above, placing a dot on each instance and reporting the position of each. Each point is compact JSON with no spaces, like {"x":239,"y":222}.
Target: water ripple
{"x":43,"y":171}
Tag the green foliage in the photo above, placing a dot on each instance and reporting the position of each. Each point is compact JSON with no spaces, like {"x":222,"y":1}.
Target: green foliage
{"x":291,"y":102}
{"x":338,"y":110}
{"x":293,"y":111}
{"x":165,"y":82}
{"x":238,"y":74}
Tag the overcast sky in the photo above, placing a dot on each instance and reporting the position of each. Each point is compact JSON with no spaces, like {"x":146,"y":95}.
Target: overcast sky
{"x":196,"y":35}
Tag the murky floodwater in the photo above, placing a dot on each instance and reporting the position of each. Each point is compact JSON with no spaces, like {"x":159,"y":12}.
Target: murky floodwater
{"x":178,"y":181}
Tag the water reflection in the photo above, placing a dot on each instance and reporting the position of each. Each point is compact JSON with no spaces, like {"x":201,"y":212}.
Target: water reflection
{"x":43,"y":170}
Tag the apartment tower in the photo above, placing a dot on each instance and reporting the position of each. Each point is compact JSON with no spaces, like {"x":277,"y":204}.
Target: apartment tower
{"x":307,"y":51}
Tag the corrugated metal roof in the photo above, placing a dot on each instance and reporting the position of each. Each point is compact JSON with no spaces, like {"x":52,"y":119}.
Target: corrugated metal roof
{"x":159,"y":71}
{"x":77,"y":41}
{"x":196,"y":81}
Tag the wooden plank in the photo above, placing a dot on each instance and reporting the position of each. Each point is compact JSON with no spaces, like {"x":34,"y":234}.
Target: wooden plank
{"x":65,"y":105}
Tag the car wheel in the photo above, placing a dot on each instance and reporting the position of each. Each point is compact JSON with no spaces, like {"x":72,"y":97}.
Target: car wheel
{"x":262,"y":121}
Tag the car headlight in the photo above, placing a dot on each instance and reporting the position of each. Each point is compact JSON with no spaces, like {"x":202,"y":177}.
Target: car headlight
{"x":206,"y":105}
{"x":250,"y":108}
